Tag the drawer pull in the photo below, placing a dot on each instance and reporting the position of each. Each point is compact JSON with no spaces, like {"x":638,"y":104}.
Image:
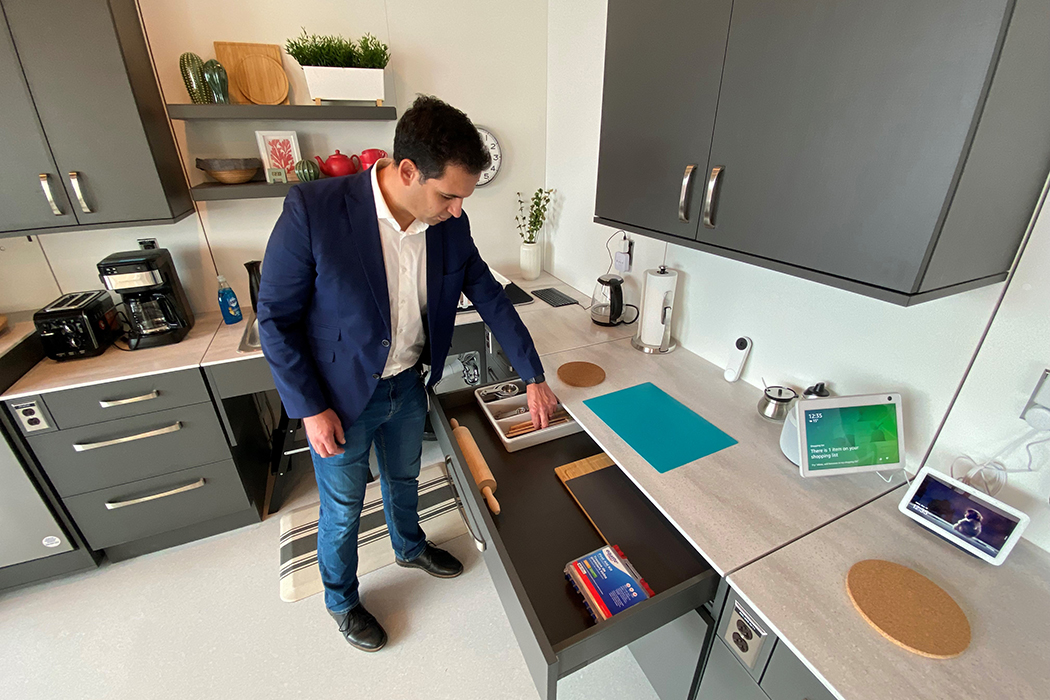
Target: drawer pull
{"x":45,"y":184}
{"x":85,"y":446}
{"x":708,"y":215}
{"x":134,"y":399}
{"x":478,"y":542}
{"x":113,"y":505}
{"x":74,"y":179}
{"x":683,"y":202}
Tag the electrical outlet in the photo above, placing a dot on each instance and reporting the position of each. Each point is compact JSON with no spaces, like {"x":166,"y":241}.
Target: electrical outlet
{"x":623,"y":258}
{"x":744,"y":636}
{"x":148,"y":243}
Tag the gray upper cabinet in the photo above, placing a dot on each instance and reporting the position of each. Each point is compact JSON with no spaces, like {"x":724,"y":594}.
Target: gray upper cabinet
{"x":91,"y":81}
{"x":896,"y":149}
{"x":29,"y":174}
{"x":663,"y":64}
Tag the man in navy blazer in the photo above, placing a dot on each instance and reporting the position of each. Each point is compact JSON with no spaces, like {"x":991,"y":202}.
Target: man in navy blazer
{"x":360,"y":285}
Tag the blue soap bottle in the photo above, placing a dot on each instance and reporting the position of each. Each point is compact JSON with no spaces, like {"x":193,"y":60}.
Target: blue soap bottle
{"x":231,"y":310}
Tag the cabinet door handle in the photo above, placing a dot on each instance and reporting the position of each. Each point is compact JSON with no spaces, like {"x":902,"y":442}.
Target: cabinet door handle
{"x":133,"y":399}
{"x":74,"y":179}
{"x":85,"y":446}
{"x":478,"y":542}
{"x":113,"y":505}
{"x":683,"y":196}
{"x":708,"y":215}
{"x":45,"y":184}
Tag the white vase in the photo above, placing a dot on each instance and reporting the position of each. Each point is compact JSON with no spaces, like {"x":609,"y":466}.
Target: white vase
{"x":531,"y":260}
{"x":327,"y":83}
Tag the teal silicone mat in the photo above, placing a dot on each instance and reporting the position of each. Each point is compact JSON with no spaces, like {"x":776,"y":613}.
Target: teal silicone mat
{"x":661,"y":429}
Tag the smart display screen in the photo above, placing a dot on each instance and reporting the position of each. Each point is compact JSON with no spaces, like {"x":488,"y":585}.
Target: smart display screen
{"x":852,"y":436}
{"x":959,"y":515}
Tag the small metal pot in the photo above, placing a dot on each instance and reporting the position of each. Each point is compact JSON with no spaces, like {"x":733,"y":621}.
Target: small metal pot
{"x":776,"y":402}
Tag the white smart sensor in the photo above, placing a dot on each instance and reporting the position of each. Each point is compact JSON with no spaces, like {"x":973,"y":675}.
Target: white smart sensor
{"x":737,"y":358}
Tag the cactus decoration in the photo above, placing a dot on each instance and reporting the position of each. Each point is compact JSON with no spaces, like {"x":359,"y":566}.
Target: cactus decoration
{"x":193,"y":75}
{"x":218,"y":83}
{"x":307,"y":170}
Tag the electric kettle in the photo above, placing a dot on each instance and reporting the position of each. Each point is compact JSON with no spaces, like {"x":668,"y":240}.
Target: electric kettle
{"x":607,"y":307}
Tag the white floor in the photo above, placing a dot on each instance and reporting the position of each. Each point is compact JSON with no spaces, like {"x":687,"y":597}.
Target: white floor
{"x":205,"y":621}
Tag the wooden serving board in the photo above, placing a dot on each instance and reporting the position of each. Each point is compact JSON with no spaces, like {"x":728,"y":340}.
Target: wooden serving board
{"x":257,"y":76}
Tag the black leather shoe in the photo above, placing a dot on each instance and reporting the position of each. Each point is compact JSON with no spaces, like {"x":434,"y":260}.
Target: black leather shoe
{"x":360,"y":628}
{"x":436,"y":562}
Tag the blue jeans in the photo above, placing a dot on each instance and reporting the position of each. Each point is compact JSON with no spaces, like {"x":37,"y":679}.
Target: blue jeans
{"x":393,"y":419}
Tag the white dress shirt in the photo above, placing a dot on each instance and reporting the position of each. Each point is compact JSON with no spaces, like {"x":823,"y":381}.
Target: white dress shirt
{"x":405,"y":259}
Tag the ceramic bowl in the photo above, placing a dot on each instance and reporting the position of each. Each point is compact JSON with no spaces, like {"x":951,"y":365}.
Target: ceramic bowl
{"x":230,"y":171}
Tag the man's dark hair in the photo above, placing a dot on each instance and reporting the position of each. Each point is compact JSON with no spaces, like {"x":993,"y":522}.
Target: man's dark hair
{"x":433,"y":134}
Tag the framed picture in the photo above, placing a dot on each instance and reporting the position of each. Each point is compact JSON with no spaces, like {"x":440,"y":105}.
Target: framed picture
{"x":279,"y":149}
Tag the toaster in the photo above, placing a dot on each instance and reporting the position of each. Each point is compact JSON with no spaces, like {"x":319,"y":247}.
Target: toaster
{"x":81,"y":324}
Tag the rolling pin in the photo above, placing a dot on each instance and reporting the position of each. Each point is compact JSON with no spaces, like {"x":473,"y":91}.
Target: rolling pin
{"x":478,"y":467}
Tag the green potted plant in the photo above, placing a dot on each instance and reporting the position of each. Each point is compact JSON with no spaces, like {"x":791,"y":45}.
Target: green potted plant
{"x":341,"y":69}
{"x":530,"y":222}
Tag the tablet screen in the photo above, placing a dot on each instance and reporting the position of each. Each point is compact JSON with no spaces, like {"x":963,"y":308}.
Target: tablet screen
{"x":957,"y":513}
{"x":852,"y":436}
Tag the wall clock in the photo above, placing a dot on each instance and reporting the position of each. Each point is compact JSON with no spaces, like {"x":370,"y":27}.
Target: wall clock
{"x":495,"y":153}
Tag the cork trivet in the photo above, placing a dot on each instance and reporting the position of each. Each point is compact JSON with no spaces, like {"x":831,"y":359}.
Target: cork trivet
{"x":581,"y":374}
{"x":908,"y":609}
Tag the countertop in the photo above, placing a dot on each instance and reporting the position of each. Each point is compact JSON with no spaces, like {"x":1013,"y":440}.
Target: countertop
{"x":801,"y":592}
{"x":114,"y":364}
{"x":19,"y":327}
{"x":738,"y":504}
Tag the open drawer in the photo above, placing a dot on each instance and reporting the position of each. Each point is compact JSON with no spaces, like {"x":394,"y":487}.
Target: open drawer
{"x":541,"y":528}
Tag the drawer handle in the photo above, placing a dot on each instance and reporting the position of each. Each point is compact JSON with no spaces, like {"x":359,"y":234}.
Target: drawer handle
{"x":683,"y":208}
{"x":74,"y":179}
{"x":113,"y":505}
{"x":45,"y":184}
{"x":478,"y":542}
{"x":709,"y":195}
{"x":85,"y":446}
{"x":134,"y":399}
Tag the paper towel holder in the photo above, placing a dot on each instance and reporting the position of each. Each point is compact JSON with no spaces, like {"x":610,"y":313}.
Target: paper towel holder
{"x":667,"y":343}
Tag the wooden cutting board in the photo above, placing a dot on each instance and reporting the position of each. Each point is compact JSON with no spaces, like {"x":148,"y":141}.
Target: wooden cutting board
{"x":257,"y":76}
{"x":3,"y":324}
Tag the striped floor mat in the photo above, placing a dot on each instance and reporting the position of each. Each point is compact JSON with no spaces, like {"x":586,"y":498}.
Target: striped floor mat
{"x":438,"y":516}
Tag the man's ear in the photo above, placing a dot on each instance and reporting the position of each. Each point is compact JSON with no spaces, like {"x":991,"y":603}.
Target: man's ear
{"x":407,"y":171}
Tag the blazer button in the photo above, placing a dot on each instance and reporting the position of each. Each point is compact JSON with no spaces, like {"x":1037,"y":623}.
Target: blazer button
{"x":386,"y":343}
{"x":375,"y":376}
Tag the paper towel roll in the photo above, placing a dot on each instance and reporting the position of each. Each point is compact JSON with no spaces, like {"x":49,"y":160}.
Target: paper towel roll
{"x":658,"y":286}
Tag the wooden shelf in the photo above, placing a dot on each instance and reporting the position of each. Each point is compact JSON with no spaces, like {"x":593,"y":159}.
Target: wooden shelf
{"x":190,"y":112}
{"x":256,"y":189}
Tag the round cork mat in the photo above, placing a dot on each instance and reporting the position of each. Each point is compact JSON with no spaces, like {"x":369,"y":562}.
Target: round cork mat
{"x":908,"y":609}
{"x":581,"y":374}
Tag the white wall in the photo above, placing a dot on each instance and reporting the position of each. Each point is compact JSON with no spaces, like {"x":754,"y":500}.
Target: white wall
{"x":802,"y":331}
{"x":487,"y":59}
{"x":986,"y":415}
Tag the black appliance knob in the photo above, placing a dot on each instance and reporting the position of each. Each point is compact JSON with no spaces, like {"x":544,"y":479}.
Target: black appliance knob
{"x":70,"y":335}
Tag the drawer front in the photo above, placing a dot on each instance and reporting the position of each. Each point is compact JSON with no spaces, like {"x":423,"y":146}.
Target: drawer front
{"x":116,"y":452}
{"x":241,"y":377}
{"x":130,"y":397}
{"x":725,"y":679}
{"x":148,"y":507}
{"x":787,"y":678}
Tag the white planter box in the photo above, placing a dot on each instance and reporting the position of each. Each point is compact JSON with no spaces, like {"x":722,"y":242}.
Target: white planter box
{"x":326,"y":83}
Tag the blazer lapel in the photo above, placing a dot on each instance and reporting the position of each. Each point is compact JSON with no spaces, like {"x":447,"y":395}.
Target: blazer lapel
{"x":435,"y":269}
{"x":361,"y":208}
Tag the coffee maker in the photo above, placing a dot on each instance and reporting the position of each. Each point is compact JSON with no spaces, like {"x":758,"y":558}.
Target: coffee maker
{"x":158,"y":312}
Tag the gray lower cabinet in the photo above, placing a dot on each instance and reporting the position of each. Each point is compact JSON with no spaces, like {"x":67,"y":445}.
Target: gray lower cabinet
{"x":725,"y":678}
{"x":129,"y":449}
{"x":541,"y":528}
{"x":90,"y":77}
{"x":148,"y":507}
{"x":787,"y":678}
{"x":896,"y":149}
{"x":670,"y":655}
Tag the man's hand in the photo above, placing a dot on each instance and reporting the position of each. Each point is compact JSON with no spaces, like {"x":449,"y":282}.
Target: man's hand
{"x":325,"y":432}
{"x":542,"y":403}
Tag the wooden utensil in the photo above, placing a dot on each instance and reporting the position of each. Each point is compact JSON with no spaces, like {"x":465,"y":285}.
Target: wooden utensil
{"x":478,"y":467}
{"x":231,"y":53}
{"x":526,"y":427}
{"x":3,"y":324}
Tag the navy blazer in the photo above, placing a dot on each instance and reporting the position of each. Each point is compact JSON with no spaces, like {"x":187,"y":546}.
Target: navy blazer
{"x":324,"y":309}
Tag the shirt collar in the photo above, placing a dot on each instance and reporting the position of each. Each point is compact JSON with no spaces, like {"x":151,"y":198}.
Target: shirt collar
{"x":383,"y":211}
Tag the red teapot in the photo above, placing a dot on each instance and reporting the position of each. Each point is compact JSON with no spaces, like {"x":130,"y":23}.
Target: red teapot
{"x":338,"y":164}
